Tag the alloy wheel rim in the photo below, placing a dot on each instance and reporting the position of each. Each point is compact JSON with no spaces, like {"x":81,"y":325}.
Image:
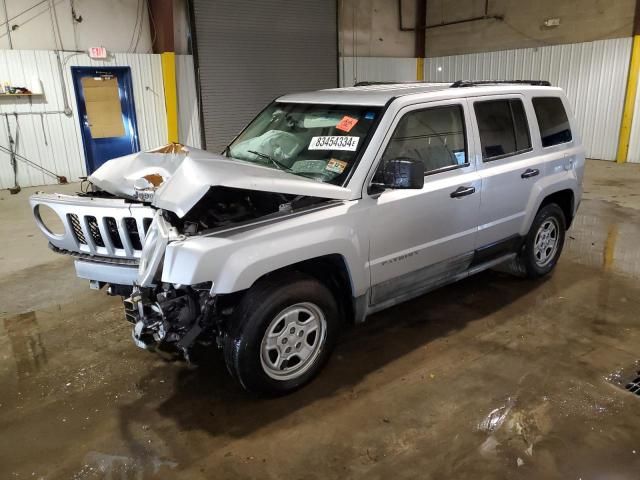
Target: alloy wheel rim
{"x":546,"y":242}
{"x":293,"y":340}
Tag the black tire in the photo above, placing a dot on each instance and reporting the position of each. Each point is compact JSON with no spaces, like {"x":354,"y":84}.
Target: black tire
{"x":254,"y":315}
{"x":529,"y":256}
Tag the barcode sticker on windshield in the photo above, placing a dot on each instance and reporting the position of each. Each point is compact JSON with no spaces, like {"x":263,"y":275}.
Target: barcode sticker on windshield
{"x":334,"y":143}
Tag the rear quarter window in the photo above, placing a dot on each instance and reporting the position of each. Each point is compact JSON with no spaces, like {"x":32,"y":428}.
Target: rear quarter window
{"x":552,"y":121}
{"x":503,"y":128}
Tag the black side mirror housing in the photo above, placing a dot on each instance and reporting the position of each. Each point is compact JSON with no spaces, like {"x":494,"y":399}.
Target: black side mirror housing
{"x":399,"y":173}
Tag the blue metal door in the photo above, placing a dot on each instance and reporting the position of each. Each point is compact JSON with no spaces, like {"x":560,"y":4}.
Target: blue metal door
{"x":107,"y":113}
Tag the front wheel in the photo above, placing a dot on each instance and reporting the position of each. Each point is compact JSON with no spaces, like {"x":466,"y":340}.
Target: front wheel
{"x":281,"y":334}
{"x":544,"y":241}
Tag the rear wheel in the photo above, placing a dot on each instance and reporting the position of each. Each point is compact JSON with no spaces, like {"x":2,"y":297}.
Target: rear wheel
{"x":544,"y":241}
{"x":281,"y":334}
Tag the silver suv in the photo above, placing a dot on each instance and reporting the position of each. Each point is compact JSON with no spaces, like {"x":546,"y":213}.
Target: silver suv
{"x":328,"y":207}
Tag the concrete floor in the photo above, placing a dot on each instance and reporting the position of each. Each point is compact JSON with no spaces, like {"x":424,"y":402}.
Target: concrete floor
{"x":493,"y":377}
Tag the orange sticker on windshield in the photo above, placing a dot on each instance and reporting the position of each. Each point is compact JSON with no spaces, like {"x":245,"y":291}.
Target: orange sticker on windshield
{"x":347,"y":123}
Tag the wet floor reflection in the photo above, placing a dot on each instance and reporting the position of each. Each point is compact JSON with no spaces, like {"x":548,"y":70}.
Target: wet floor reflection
{"x":27,"y":348}
{"x":606,"y":236}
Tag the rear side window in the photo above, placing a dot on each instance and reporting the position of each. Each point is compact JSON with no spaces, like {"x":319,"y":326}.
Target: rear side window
{"x":552,"y":120}
{"x":503,"y":128}
{"x":435,"y":136}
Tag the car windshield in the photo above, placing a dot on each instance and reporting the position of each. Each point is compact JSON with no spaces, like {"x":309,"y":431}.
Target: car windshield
{"x":321,"y":142}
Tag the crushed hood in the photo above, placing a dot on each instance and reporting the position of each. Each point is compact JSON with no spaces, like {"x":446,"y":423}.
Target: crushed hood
{"x":183,"y":175}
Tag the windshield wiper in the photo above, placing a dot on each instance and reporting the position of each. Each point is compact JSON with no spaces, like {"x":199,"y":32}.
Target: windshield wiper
{"x":281,"y":166}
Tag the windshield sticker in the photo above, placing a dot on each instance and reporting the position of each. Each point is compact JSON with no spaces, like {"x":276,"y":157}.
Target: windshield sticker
{"x":347,"y":123}
{"x":335,"y":166}
{"x":334,"y":143}
{"x":369,"y":116}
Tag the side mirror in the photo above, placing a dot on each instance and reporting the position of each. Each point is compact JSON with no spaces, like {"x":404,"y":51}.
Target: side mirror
{"x":399,"y":173}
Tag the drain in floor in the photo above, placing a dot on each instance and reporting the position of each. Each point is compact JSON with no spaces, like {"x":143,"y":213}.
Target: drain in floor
{"x":627,"y":378}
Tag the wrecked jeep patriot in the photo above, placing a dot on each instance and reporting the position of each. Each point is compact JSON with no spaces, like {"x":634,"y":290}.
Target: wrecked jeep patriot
{"x":329,"y":206}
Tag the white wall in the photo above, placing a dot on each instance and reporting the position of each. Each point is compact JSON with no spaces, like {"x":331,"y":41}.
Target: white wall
{"x":52,"y":139}
{"x":188,"y":112}
{"x":593,"y":74}
{"x":108,"y":23}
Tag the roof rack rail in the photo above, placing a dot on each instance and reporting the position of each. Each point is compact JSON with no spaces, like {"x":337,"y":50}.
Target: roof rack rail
{"x":472,"y":83}
{"x":367,"y":83}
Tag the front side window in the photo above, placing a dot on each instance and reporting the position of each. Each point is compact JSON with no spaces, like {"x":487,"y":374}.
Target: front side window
{"x":435,"y":136}
{"x":321,"y":142}
{"x":503,"y":128}
{"x":552,"y":120}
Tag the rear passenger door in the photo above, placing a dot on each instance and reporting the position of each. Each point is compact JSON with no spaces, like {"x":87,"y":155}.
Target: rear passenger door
{"x":509,"y":166}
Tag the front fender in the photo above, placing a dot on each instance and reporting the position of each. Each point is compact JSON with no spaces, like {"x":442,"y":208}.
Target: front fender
{"x":234,"y":263}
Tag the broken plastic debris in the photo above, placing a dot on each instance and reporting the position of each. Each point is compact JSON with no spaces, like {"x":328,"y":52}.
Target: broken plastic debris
{"x":496,"y":417}
{"x":488,"y":447}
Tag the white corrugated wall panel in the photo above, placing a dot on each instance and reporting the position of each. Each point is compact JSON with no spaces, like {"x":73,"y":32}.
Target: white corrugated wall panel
{"x":634,"y":141}
{"x":376,"y":69}
{"x":593,"y":74}
{"x":48,"y":137}
{"x":188,"y":112}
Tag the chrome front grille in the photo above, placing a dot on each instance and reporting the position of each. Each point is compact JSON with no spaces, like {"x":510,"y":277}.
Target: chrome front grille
{"x":97,"y":226}
{"x":112,"y":231}
{"x":94,"y":230}
{"x":132,"y":229}
{"x":77,"y":229}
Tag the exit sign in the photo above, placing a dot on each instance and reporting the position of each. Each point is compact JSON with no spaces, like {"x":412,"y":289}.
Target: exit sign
{"x":98,"y":53}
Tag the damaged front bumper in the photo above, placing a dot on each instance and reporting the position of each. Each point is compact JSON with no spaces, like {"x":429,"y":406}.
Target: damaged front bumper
{"x":172,"y":320}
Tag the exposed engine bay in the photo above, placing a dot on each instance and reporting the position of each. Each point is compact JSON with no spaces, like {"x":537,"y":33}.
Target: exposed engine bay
{"x":224,"y":207}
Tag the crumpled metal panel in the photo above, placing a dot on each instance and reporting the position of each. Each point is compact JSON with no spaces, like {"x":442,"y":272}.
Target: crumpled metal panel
{"x":190,"y":172}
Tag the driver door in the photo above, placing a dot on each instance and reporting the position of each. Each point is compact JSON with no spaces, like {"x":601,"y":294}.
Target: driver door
{"x":421,"y":238}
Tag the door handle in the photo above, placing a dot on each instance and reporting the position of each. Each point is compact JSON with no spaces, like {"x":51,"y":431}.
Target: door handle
{"x":462,"y":192}
{"x":530,"y":172}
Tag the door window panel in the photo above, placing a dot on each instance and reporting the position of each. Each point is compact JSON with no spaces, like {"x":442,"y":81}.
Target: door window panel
{"x":552,"y":120}
{"x":104,"y":112}
{"x":435,"y":136}
{"x":503,"y":128}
